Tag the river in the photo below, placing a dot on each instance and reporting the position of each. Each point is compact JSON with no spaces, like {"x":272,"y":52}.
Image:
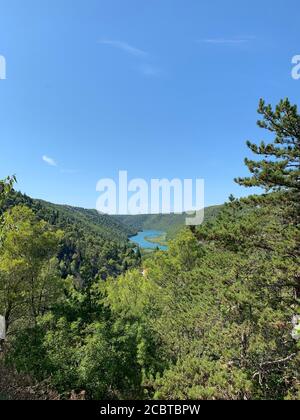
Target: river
{"x":141,"y":239}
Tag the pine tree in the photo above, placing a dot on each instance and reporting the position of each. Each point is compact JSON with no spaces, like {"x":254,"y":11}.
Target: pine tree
{"x":279,"y":170}
{"x":6,"y":186}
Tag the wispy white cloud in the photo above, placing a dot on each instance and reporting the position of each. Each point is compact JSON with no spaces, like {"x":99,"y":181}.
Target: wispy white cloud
{"x":124,"y":46}
{"x":226,"y":41}
{"x":49,"y":160}
{"x":145,"y":59}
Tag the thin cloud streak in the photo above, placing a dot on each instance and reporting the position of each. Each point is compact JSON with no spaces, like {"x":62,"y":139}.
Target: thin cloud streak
{"x":226,"y":41}
{"x":124,"y":46}
{"x":49,"y":160}
{"x":145,"y":68}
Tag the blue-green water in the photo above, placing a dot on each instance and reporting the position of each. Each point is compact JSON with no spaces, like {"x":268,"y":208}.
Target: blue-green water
{"x":140,"y":240}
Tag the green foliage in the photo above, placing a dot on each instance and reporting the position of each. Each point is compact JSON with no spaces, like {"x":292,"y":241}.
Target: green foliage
{"x":88,"y":221}
{"x":215,"y":317}
{"x":218,"y":309}
{"x":6,"y":186}
{"x":28,"y":277}
{"x":194,"y":378}
{"x":169,"y":223}
{"x":280,"y":168}
{"x":93,"y":246}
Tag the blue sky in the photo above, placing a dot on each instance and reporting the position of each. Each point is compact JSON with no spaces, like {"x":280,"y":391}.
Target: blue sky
{"x":161,"y":88}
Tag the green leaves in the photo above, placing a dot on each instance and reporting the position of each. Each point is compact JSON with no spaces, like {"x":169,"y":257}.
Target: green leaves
{"x":28,"y":276}
{"x":6,"y":186}
{"x":280,"y":168}
{"x":212,"y":318}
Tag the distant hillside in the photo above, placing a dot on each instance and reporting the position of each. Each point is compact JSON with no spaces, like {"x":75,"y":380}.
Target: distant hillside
{"x":170,"y":223}
{"x":88,"y":220}
{"x":116,"y":228}
{"x":94,"y":245}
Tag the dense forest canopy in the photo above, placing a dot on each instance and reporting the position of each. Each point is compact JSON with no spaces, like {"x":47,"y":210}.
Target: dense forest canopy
{"x":214,"y":317}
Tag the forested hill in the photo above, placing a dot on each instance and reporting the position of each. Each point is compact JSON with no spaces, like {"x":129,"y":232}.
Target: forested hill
{"x":93,"y":245}
{"x":170,"y":223}
{"x":90,"y":221}
{"x":118,"y":227}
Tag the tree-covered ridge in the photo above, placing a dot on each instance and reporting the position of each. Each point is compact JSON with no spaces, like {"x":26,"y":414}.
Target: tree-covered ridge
{"x":93,"y":245}
{"x":214,"y":317}
{"x":90,"y":221}
{"x":169,"y":223}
